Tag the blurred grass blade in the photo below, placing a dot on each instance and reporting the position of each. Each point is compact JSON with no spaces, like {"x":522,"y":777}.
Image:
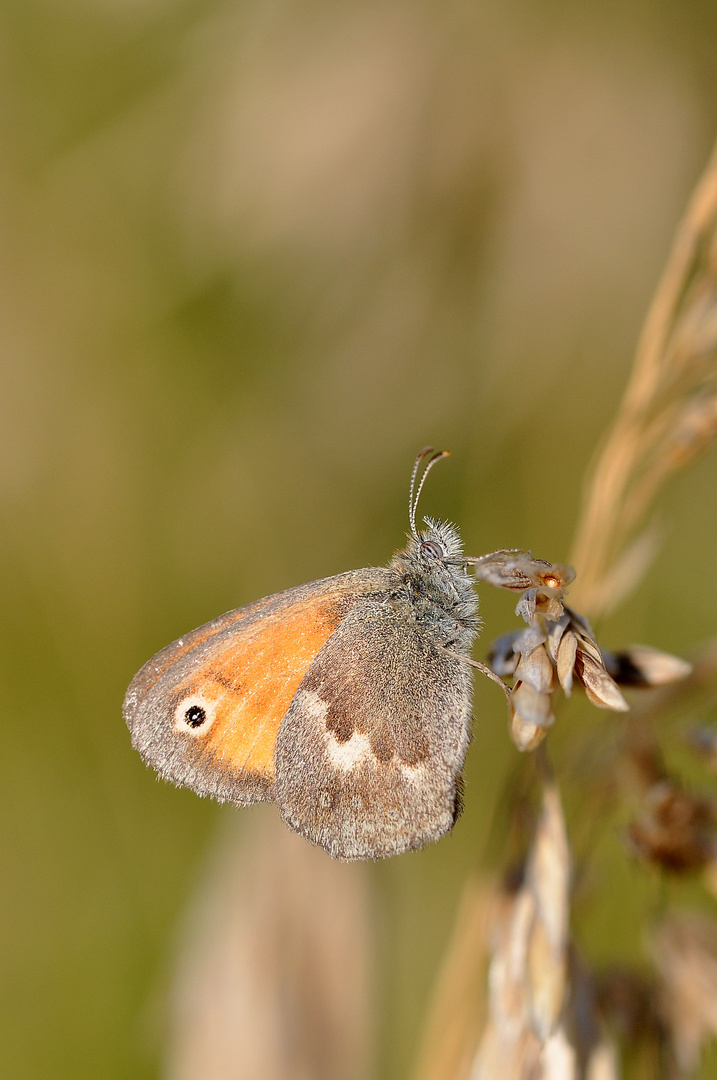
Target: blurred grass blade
{"x":273,"y":973}
{"x":457,"y":1012}
{"x":685,"y":950}
{"x":668,"y":415}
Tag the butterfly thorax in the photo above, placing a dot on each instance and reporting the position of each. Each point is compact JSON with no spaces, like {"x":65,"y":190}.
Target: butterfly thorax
{"x":437,"y":585}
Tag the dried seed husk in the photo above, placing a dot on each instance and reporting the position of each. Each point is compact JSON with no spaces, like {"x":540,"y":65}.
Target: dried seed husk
{"x":535,"y":668}
{"x":599,"y":687}
{"x":555,"y":630}
{"x":641,"y":665}
{"x":565,"y":662}
{"x":503,"y":655}
{"x":530,"y":715}
{"x":519,"y":570}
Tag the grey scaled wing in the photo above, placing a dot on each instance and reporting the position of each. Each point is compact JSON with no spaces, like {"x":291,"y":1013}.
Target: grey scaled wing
{"x":370,"y":752}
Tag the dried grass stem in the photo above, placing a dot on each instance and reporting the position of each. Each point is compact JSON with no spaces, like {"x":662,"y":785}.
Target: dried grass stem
{"x":669,"y":411}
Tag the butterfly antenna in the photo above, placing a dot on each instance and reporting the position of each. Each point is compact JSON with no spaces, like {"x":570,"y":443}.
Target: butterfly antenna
{"x":411,"y":502}
{"x":414,"y":500}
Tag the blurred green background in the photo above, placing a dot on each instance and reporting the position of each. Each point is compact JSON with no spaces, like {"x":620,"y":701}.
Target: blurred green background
{"x":254,"y":256}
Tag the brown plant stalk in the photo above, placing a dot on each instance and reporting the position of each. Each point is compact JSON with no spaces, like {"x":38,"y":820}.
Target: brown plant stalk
{"x":668,"y":415}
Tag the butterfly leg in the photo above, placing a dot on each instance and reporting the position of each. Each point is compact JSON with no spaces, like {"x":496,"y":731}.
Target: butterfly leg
{"x":479,"y":667}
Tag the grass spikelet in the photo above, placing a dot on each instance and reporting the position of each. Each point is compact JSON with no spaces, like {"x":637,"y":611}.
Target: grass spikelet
{"x":537,"y":987}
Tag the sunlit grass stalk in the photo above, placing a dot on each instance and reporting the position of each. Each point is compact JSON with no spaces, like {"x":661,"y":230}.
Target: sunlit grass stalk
{"x":667,"y":417}
{"x":668,"y":414}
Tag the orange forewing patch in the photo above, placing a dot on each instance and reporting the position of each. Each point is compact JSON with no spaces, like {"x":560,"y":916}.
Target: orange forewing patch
{"x":164,"y":660}
{"x":254,"y":678}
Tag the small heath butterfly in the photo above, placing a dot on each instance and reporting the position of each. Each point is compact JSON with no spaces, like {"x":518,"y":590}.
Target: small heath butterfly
{"x":346,"y":701}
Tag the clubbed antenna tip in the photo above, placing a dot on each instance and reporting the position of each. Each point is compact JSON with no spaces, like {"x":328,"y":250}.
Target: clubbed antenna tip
{"x":413,"y":498}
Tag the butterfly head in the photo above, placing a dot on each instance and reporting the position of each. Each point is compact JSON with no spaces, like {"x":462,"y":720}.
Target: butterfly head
{"x":435,"y":552}
{"x":439,"y":542}
{"x":439,"y":545}
{"x":432,"y":568}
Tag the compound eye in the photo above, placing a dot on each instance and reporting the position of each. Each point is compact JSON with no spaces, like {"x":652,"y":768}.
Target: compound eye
{"x":432,"y":549}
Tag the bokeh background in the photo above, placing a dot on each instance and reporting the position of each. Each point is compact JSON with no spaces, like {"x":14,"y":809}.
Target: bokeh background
{"x":254,"y":256}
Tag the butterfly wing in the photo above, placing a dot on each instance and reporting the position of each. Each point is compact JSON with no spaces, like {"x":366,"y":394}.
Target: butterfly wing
{"x":205,"y":711}
{"x":370,"y":753}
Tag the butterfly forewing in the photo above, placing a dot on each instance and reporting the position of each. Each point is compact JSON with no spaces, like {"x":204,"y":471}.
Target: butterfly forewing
{"x":205,"y":711}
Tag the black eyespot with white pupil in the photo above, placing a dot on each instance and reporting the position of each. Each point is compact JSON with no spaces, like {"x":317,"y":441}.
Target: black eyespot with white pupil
{"x":432,"y":549}
{"x":194,"y":715}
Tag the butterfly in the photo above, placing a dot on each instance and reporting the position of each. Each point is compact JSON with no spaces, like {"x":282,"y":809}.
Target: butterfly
{"x":346,"y":701}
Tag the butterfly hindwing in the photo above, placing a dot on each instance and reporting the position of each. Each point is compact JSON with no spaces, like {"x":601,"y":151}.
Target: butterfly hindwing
{"x":370,"y":752}
{"x":205,"y":711}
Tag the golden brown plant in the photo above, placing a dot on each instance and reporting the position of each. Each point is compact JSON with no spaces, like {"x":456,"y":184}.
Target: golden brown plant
{"x":542,"y":1023}
{"x":685,"y":949}
{"x":537,"y":986}
{"x":275,"y":970}
{"x":668,"y":414}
